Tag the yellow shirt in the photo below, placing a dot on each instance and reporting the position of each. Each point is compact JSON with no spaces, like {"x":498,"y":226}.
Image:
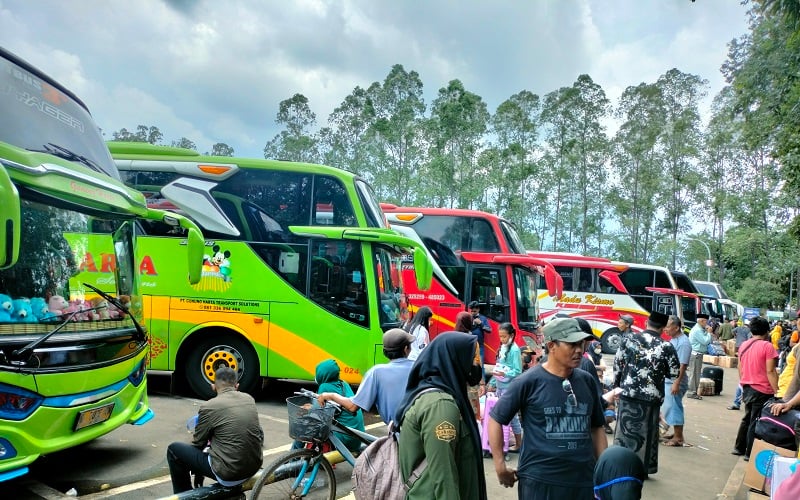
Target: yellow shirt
{"x":776,"y":336}
{"x":787,"y":373}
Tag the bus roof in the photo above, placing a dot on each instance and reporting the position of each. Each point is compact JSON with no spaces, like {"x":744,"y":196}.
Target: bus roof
{"x":566,"y":255}
{"x":133,"y":155}
{"x":463,"y":212}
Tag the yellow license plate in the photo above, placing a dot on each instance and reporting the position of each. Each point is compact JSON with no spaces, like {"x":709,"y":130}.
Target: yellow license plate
{"x":94,"y":416}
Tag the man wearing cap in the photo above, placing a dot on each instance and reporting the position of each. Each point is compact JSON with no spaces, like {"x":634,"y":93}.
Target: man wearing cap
{"x":562,"y":419}
{"x":625,"y":323}
{"x":383,"y":385}
{"x":699,"y":338}
{"x":641,"y":366}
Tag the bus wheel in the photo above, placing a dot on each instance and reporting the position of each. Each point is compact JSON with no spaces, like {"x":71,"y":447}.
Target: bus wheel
{"x":611,"y":340}
{"x":208,"y":355}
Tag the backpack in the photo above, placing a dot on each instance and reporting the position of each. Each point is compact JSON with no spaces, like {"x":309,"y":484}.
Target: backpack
{"x":778,"y":430}
{"x":376,"y":475}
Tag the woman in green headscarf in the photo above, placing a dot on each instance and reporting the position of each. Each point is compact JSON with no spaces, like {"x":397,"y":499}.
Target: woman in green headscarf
{"x":327,"y":376}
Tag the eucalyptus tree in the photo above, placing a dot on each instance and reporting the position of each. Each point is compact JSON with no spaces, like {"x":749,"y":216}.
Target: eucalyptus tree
{"x":511,"y":162}
{"x":559,"y":120}
{"x":221,"y":149}
{"x":342,"y":143}
{"x":455,"y":129}
{"x":395,"y":138}
{"x":296,"y":142}
{"x":680,"y":142}
{"x":143,"y":133}
{"x":636,"y":174}
{"x":185,"y":143}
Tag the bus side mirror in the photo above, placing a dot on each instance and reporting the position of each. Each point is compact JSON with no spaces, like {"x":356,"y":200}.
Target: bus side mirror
{"x":9,"y":221}
{"x":423,"y":269}
{"x":195,"y":245}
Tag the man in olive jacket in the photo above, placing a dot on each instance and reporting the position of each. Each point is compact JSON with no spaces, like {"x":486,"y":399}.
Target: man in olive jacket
{"x":228,"y":440}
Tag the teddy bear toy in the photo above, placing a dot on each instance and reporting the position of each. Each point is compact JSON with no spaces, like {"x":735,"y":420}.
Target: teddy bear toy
{"x":57,"y":305}
{"x":22,"y":312}
{"x":100,"y":309}
{"x":41,"y":310}
{"x":6,"y":308}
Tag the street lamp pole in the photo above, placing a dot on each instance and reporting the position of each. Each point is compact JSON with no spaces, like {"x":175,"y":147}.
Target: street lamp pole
{"x":709,"y":262}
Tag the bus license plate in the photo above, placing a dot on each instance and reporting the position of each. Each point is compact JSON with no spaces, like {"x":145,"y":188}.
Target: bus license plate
{"x":94,"y":416}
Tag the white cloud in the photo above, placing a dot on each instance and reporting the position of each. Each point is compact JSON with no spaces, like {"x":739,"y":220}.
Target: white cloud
{"x":216,"y":71}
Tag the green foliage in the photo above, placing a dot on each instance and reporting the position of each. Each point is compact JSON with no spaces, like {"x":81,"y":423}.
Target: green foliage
{"x":143,"y":133}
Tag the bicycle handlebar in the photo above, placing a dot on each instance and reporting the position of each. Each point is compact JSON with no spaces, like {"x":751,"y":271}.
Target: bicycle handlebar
{"x":313,"y":395}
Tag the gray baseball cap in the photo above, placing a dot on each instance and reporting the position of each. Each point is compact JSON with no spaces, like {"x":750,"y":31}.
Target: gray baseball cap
{"x":564,"y":330}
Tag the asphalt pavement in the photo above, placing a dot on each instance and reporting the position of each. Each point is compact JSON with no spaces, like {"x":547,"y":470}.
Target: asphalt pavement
{"x":130,"y":463}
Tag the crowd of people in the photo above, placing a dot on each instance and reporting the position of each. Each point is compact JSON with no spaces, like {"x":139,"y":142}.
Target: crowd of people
{"x":557,"y":400}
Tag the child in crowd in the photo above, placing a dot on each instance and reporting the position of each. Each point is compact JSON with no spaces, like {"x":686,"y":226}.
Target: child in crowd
{"x":508,"y":366}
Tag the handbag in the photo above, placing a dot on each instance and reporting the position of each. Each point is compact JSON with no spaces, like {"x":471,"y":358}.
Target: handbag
{"x":778,"y":430}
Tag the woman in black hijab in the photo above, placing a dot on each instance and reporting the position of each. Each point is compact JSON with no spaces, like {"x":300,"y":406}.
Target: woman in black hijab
{"x":437,"y":422}
{"x":618,"y":475}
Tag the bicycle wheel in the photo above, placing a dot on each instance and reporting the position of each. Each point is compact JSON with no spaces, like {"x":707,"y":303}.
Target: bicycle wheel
{"x":287,"y":477}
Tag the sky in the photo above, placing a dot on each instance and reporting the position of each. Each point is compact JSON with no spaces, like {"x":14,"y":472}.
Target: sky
{"x":216,"y":71}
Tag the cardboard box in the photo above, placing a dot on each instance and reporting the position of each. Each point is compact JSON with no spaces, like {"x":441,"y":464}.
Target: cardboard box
{"x":781,"y":470}
{"x":758,"y":474}
{"x":709,"y":359}
{"x":730,"y":346}
{"x":754,"y":495}
{"x":727,"y":361}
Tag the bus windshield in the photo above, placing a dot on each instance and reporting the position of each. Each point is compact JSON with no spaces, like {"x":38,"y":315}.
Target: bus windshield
{"x":45,"y":288}
{"x":512,"y":237}
{"x":390,"y":287}
{"x":55,"y":121}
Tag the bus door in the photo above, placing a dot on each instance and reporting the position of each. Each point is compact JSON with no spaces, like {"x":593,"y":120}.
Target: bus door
{"x":488,"y":286}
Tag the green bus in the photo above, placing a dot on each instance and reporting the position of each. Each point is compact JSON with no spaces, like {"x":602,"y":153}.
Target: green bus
{"x":72,"y":359}
{"x":300,"y":266}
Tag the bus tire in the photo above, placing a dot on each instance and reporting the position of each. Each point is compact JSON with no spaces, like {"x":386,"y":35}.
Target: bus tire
{"x":611,"y":340}
{"x":221,"y":350}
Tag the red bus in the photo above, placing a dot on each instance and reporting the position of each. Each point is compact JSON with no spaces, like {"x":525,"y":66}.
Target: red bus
{"x":479,"y":257}
{"x":600,"y":290}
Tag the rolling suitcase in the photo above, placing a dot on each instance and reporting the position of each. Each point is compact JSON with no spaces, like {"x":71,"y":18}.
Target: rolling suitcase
{"x":487,"y":403}
{"x":715,"y":373}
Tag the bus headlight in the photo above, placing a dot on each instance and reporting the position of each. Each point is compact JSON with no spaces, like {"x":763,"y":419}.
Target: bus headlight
{"x":6,"y":450}
{"x":138,"y":373}
{"x":17,"y":403}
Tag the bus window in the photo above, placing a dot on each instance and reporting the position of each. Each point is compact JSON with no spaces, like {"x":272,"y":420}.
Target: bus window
{"x":481,"y":237}
{"x":525,"y":286}
{"x":332,"y":203}
{"x":284,"y":196}
{"x":487,"y":285}
{"x":337,"y":280}
{"x":566,"y":275}
{"x":662,"y":280}
{"x":637,"y":280}
{"x":583,"y":277}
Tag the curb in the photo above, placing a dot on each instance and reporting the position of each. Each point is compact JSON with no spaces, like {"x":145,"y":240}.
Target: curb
{"x":734,"y":483}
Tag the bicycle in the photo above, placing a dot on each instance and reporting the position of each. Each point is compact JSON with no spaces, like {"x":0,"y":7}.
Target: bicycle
{"x":307,"y":472}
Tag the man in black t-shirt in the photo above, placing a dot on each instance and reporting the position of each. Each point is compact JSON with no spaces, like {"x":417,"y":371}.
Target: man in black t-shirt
{"x":562,"y":421}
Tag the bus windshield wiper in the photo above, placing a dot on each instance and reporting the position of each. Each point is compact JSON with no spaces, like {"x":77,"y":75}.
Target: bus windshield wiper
{"x":68,"y":154}
{"x":24,"y":352}
{"x":116,"y":303}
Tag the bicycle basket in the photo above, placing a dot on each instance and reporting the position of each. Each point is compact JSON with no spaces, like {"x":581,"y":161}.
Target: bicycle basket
{"x":308,"y":423}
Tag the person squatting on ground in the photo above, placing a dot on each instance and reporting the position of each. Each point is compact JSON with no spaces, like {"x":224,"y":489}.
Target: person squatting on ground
{"x":507,"y":368}
{"x":674,"y":389}
{"x":419,"y":328}
{"x":382,"y":386}
{"x":562,"y":419}
{"x":227,"y":442}
{"x":641,"y":365}
{"x":699,"y":338}
{"x":758,"y":376}
{"x":439,"y":424}
{"x":618,"y":475}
